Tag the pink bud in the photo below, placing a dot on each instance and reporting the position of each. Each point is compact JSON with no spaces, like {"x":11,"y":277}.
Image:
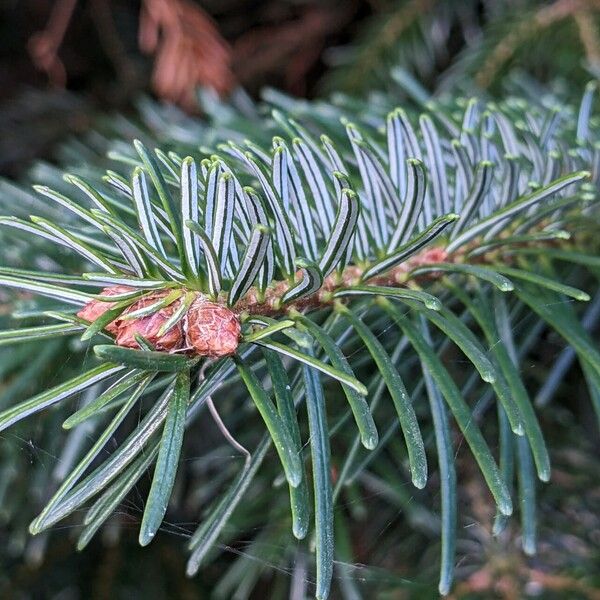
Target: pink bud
{"x":212,"y":330}
{"x":430,"y":256}
{"x":94,"y":309}
{"x":150,"y":325}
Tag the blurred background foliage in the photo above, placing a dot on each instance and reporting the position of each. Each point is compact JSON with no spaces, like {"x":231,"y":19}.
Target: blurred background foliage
{"x":96,"y":70}
{"x":64,"y":61}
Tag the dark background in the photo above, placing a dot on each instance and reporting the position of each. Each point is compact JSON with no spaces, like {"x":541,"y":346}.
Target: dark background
{"x":97,"y":65}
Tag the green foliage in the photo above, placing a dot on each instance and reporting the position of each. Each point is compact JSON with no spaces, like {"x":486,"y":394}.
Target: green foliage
{"x":397,"y":241}
{"x":442,"y":45}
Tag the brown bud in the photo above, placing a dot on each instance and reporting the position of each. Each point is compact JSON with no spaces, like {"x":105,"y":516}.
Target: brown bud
{"x":94,"y":309}
{"x":211,"y":330}
{"x":150,"y":325}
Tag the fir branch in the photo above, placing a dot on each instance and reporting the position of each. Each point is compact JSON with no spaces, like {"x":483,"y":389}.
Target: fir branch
{"x":340,"y":237}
